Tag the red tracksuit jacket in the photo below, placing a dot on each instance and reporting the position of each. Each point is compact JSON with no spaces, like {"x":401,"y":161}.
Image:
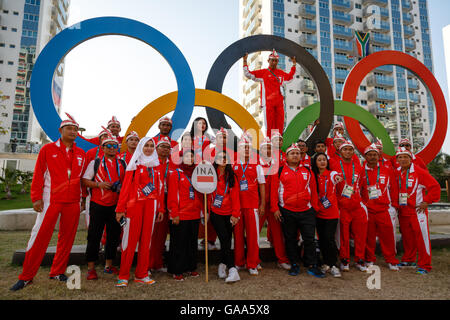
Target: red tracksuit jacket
{"x":270,"y":85}
{"x":326,"y":180}
{"x":419,"y":180}
{"x":94,"y":153}
{"x":250,"y":198}
{"x":231,"y":203}
{"x":179,"y":202}
{"x":385,"y":181}
{"x":132,"y":187}
{"x":294,"y":190}
{"x":348,"y":168}
{"x":57,"y":173}
{"x":126,"y":156}
{"x":416,"y":160}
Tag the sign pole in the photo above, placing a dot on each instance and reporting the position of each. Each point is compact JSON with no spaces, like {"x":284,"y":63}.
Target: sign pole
{"x":206,"y":237}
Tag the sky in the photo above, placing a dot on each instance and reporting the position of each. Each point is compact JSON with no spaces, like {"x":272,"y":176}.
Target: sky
{"x":115,"y":75}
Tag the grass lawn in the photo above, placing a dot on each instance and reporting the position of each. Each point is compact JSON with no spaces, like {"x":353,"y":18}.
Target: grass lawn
{"x":19,"y":201}
{"x":271,"y":283}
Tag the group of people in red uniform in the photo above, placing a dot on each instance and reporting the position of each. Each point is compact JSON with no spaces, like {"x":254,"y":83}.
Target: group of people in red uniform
{"x":135,"y":198}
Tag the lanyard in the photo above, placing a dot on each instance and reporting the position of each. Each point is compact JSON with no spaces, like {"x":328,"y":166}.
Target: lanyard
{"x":69,"y":166}
{"x":274,"y":76}
{"x":107,"y":171}
{"x":243,"y":170}
{"x":378,"y":176}
{"x":167,"y":168}
{"x":153,"y":174}
{"x":353,"y":172}
{"x":124,"y":156}
{"x":400,"y":181}
{"x":326,"y":180}
{"x":98,"y":149}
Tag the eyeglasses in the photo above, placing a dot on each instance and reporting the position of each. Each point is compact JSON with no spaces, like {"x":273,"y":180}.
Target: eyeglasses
{"x":114,"y":146}
{"x":405,"y":145}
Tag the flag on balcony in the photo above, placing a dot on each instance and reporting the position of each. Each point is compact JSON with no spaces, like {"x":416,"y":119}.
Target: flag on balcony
{"x":362,"y":43}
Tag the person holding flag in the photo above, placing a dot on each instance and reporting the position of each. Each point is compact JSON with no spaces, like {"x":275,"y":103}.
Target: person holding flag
{"x":272,"y":80}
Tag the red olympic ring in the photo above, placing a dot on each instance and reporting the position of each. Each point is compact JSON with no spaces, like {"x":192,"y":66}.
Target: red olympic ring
{"x":381,"y":58}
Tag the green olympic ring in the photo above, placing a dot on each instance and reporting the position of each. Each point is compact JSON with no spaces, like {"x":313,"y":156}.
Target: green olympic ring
{"x":341,"y":108}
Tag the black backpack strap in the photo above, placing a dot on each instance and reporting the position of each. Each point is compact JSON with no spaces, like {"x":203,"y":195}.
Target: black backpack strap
{"x":96,"y":166}
{"x":124,"y":164}
{"x":279,"y":171}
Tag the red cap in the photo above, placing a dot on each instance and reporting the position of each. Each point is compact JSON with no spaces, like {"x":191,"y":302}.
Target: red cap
{"x":293,"y":146}
{"x":165,"y":119}
{"x":113,"y":121}
{"x":372,"y":147}
{"x":69,"y":122}
{"x":164,"y":140}
{"x":273,"y":55}
{"x":132,"y":134}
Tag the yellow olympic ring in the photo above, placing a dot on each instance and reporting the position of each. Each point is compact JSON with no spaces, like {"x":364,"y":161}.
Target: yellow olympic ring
{"x":156,"y":109}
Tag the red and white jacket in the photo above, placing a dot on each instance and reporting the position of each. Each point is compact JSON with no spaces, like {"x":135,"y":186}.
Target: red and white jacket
{"x":115,"y":172}
{"x":158,"y":137}
{"x":327,"y":182}
{"x":254,"y":175}
{"x":384,"y":184}
{"x":270,"y":84}
{"x":93,"y":154}
{"x":420,"y":187}
{"x":294,"y":190}
{"x":126,"y":156}
{"x":57,"y":174}
{"x":355,"y":200}
{"x":231,"y":203}
{"x":132,"y":186}
{"x":179,"y":203}
{"x":306,"y":161}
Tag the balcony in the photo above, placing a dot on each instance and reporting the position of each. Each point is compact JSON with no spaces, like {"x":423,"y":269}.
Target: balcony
{"x":381,"y":3}
{"x":419,"y":141}
{"x":406,"y":5}
{"x":413,"y":84}
{"x":378,"y":25}
{"x":307,"y":85}
{"x":308,"y":25}
{"x":339,"y":87}
{"x":380,"y":39}
{"x":343,"y":18}
{"x":306,"y":101}
{"x":380,"y":80}
{"x":308,"y":40}
{"x":408,"y":31}
{"x":385,"y":69}
{"x":407,"y":18}
{"x":343,"y":32}
{"x":340,"y":74}
{"x":342,"y":45}
{"x":414,"y":98}
{"x":417,"y":127}
{"x":376,"y":108}
{"x":384,"y":12}
{"x":307,"y":11}
{"x":250,"y":16}
{"x":343,"y":60}
{"x":391,"y":125}
{"x":380,"y":94}
{"x":250,"y":4}
{"x":309,"y":1}
{"x":343,"y":5}
{"x":410,"y":45}
{"x":416,"y":114}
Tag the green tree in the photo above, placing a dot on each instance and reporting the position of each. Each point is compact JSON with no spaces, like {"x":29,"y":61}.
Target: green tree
{"x":24,"y":178}
{"x":8,"y":180}
{"x":437,"y":167}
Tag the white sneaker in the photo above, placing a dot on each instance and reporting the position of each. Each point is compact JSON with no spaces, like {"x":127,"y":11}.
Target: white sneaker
{"x":253,"y":272}
{"x":233,"y":276}
{"x":284,"y":265}
{"x":222,"y":272}
{"x":335,"y":272}
{"x":211,"y":246}
{"x":325,"y":268}
{"x":369,"y":264}
{"x":345,"y":267}
{"x":393,"y":267}
{"x":360,"y":266}
{"x":259,"y":267}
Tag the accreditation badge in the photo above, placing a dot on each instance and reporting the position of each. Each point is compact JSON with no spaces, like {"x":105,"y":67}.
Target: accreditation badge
{"x":403,"y":199}
{"x":348,"y":191}
{"x":374,"y":192}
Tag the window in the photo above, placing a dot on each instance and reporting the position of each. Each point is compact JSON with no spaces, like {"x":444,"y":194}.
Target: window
{"x":15,"y":13}
{"x":4,"y":28}
{"x":2,"y":45}
{"x":362,"y":88}
{"x":357,"y":5}
{"x":8,"y":80}
{"x":10,"y":63}
{"x":12,"y":46}
{"x":358,"y":19}
{"x":1,"y":61}
{"x":5,"y":11}
{"x":14,"y":29}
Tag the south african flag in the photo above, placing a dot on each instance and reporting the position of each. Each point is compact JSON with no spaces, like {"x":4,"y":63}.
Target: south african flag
{"x":362,"y":43}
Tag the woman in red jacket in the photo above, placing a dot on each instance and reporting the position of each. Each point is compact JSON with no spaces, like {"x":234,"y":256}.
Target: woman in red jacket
{"x":328,"y":214}
{"x":184,"y":205}
{"x":200,"y":138}
{"x":141,"y":199}
{"x":225,"y":213}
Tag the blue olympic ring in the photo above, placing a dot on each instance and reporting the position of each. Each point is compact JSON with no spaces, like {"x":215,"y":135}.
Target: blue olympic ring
{"x":60,"y":45}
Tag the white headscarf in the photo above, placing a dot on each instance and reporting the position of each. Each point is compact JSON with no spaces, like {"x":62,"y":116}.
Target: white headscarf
{"x":139,"y":158}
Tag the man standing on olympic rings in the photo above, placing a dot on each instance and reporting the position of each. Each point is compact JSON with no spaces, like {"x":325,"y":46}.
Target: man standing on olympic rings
{"x":272,"y":97}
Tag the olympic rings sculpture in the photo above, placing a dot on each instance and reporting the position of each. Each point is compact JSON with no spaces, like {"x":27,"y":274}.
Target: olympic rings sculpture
{"x":187,"y":96}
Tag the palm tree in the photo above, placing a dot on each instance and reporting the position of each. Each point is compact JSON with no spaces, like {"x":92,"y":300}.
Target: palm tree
{"x":24,"y":178}
{"x":9,"y":179}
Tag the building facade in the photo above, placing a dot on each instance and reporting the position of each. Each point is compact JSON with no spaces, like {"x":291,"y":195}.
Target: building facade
{"x":326,"y":28}
{"x":26,"y":27}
